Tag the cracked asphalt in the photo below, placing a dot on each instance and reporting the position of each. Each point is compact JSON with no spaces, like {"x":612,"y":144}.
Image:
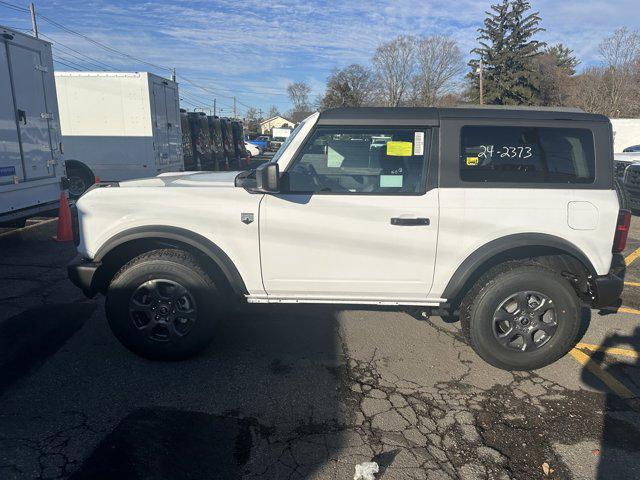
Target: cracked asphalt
{"x":298,"y":392}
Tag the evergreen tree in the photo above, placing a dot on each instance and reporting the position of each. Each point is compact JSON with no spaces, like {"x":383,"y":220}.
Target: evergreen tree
{"x":507,"y":51}
{"x":563,"y":58}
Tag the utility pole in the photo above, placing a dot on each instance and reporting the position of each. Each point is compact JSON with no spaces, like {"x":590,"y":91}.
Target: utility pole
{"x":34,"y":24}
{"x":481,"y":86}
{"x":214,"y":107}
{"x":173,"y":74}
{"x":234,"y":108}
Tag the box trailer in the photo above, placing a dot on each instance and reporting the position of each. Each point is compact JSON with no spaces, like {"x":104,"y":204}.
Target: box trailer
{"x":31,"y":169}
{"x":118,"y":126}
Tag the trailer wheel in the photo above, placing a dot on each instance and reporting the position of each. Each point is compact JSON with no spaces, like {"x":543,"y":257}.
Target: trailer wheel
{"x":80,"y":179}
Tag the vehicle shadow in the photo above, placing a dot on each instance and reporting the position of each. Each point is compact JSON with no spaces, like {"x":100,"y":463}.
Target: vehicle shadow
{"x":264,"y":400}
{"x":619,"y":455}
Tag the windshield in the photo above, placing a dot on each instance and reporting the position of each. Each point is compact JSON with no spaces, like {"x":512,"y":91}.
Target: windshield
{"x":284,"y":146}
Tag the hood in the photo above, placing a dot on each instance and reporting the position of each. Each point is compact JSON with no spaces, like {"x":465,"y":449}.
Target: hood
{"x":185,"y":179}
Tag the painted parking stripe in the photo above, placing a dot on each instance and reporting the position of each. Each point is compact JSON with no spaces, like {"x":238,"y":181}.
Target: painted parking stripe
{"x":29,"y":227}
{"x":632,"y":284}
{"x":632,"y":256}
{"x":624,"y":352}
{"x":612,"y":383}
{"x":620,"y":310}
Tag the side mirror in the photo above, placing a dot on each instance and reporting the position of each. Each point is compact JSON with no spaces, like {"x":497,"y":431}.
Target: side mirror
{"x":268,"y":178}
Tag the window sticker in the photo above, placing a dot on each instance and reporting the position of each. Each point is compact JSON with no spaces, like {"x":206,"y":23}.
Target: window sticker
{"x":389,"y":181}
{"x":472,"y":161}
{"x":399,"y":149}
{"x":334,"y":159}
{"x":418,"y":143}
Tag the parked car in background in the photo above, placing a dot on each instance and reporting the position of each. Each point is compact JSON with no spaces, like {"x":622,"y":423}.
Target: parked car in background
{"x":31,"y":168}
{"x":632,"y":149}
{"x":188,"y":144}
{"x":238,"y":143}
{"x":203,"y":144}
{"x":627,"y":172}
{"x":262,"y":141}
{"x":253,"y":150}
{"x":118,"y":126}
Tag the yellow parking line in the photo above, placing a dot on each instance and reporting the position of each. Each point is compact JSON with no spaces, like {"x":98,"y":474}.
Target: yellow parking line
{"x":632,"y":256}
{"x":632,"y":284}
{"x":23,"y":229}
{"x":606,"y":378}
{"x":628,"y":310}
{"x":611,"y":350}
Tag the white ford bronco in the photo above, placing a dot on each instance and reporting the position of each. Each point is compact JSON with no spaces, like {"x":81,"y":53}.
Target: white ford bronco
{"x":506,"y":218}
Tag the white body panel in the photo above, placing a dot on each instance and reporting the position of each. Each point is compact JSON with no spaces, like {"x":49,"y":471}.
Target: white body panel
{"x":120,"y":125}
{"x":30,"y":160}
{"x":472,"y":217}
{"x":343,"y":247}
{"x":204,"y":203}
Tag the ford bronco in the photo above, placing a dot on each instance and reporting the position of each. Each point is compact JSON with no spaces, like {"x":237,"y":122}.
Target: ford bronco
{"x":506,"y":218}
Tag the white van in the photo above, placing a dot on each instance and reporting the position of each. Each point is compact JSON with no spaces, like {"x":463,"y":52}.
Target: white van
{"x":31,"y":169}
{"x":118,"y":126}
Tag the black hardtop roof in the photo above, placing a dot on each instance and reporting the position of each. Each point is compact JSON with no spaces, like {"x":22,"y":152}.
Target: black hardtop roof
{"x":431,"y":115}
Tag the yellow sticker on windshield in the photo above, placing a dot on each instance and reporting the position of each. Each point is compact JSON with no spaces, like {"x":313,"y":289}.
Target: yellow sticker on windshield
{"x":472,"y":161}
{"x":399,"y":149}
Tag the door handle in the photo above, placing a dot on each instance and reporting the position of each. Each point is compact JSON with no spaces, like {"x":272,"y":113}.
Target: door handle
{"x":22,"y":116}
{"x":409,"y":221}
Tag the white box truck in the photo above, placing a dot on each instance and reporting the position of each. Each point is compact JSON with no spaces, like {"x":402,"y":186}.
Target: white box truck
{"x":31,"y":169}
{"x":118,"y":126}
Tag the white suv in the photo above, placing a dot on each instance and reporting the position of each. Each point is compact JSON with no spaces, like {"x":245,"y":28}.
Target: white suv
{"x":505,"y":217}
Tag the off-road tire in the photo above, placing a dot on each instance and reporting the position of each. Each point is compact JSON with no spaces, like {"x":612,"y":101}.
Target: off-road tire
{"x":174,"y":266}
{"x":80,"y":180}
{"x":480,"y":303}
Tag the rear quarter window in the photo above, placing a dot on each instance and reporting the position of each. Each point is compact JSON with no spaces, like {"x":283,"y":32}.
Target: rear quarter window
{"x":526,"y":154}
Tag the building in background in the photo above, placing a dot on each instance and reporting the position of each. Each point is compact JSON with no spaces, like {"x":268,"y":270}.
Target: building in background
{"x":274,"y":122}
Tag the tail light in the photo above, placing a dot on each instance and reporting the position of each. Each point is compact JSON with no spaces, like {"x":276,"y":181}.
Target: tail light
{"x":622,"y":231}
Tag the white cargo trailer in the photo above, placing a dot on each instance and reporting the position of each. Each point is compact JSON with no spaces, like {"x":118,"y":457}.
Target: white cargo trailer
{"x":118,"y":126}
{"x":31,"y":169}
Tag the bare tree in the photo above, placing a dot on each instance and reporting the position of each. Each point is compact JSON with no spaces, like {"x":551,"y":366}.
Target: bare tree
{"x":394,"y":64}
{"x":612,"y":89}
{"x":299,"y":95}
{"x":351,"y":86}
{"x":273,"y":112}
{"x":439,"y":63}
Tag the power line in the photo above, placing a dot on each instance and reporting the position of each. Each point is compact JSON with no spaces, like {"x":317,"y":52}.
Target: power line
{"x":95,"y":60}
{"x":77,"y":57}
{"x":17,"y":8}
{"x":65,"y":64}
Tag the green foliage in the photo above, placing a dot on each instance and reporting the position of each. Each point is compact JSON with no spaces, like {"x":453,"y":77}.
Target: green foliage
{"x":507,"y":50}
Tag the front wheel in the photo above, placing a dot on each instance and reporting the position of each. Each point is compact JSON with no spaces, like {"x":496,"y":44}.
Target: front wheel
{"x":521,"y":316}
{"x":162,"y":305}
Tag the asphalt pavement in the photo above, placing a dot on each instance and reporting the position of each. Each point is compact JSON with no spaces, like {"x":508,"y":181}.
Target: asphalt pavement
{"x":301,"y":392}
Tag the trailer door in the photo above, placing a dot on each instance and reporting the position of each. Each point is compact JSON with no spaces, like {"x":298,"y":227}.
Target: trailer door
{"x":10,"y":157}
{"x":173,"y":124}
{"x":27,"y":73}
{"x":160,"y":133}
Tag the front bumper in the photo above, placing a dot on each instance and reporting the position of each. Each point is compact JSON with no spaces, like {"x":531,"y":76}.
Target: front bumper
{"x":605,"y":290}
{"x":82,"y":273}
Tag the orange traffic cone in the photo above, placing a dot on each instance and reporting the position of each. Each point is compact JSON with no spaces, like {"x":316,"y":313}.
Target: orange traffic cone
{"x":64,"y":221}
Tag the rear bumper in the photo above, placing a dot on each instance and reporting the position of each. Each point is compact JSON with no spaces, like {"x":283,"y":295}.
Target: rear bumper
{"x":82,"y":273}
{"x":606,"y":290}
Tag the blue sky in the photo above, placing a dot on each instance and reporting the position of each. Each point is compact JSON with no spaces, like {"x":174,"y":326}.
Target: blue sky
{"x":254,"y":48}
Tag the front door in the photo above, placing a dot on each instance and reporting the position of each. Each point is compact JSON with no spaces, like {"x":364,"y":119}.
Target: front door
{"x":357,"y":221}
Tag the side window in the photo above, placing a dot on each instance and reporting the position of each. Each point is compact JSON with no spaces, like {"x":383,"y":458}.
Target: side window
{"x":361,"y":160}
{"x":526,"y":154}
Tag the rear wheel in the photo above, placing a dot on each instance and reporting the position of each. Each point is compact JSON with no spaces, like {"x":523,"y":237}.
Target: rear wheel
{"x":163,"y":305}
{"x":521,"y":316}
{"x":79,"y":181}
